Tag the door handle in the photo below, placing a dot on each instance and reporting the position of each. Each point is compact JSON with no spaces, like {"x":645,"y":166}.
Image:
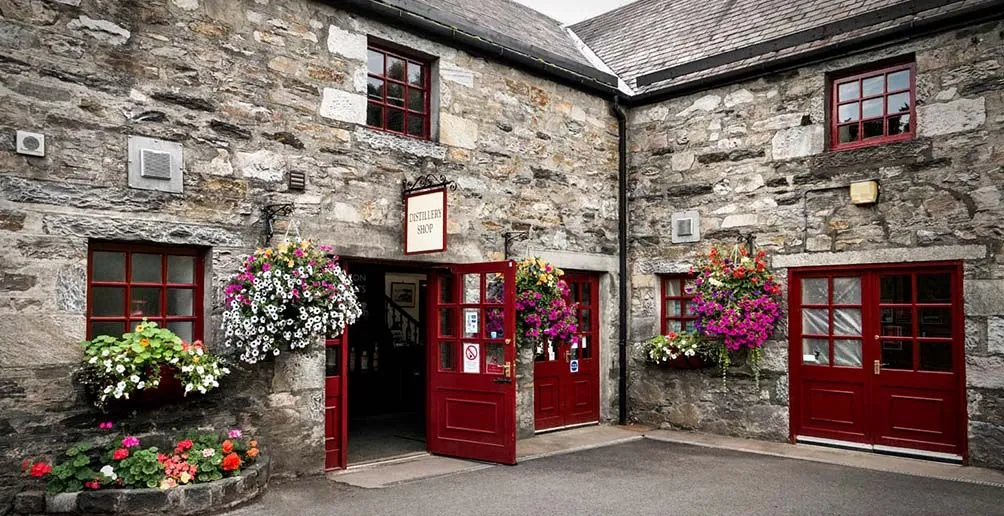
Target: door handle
{"x":877,"y":367}
{"x":568,"y":355}
{"x":507,"y":369}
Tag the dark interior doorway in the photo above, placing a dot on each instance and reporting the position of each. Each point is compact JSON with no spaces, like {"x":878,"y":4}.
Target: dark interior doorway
{"x":386,"y":368}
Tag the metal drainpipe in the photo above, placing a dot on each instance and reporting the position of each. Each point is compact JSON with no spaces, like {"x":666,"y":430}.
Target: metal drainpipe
{"x":622,"y":235}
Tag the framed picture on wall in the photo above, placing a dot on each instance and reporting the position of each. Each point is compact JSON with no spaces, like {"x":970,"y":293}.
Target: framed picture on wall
{"x":403,"y":294}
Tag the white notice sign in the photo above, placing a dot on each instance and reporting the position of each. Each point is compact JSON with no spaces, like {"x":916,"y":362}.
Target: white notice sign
{"x":472,"y":358}
{"x":425,"y":222}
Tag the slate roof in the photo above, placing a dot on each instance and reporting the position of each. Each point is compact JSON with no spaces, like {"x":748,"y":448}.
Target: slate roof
{"x":513,"y":20}
{"x":651,"y":35}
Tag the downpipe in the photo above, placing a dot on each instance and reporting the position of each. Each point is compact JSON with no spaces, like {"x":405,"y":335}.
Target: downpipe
{"x":622,"y":236}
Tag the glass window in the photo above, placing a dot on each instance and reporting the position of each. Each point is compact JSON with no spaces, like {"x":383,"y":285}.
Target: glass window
{"x":397,"y":93}
{"x":872,"y":107}
{"x":127,"y":284}
{"x":677,"y":293}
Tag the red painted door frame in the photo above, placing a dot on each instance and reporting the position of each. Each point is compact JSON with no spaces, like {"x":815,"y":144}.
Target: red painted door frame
{"x":336,"y":395}
{"x":562,"y":398}
{"x":881,"y":406}
{"x":472,"y":414}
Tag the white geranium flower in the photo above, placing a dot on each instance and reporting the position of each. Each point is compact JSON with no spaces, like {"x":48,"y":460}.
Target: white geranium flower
{"x":109,"y":472}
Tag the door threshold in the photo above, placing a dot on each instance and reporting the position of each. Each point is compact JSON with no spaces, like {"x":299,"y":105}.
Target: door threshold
{"x":393,"y":459}
{"x":880,"y":449}
{"x":566,"y":427}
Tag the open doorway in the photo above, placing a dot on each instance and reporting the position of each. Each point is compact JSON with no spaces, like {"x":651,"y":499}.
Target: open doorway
{"x":386,"y":363}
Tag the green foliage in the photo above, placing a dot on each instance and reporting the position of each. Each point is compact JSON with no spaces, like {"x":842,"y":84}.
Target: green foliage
{"x":141,"y":469}
{"x":665,"y":348}
{"x":75,"y":469}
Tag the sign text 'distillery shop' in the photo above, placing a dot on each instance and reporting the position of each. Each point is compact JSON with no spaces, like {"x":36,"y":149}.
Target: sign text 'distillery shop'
{"x":425,"y":222}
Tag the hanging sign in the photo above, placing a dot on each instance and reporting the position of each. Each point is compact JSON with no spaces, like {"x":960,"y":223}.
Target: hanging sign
{"x":472,"y":358}
{"x":425,"y":222}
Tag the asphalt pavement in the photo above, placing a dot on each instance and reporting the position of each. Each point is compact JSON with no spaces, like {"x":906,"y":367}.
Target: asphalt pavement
{"x":643,"y":477}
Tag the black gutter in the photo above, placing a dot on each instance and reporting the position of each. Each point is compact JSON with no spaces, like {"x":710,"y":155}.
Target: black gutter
{"x":456,"y":32}
{"x":622,"y":237}
{"x":935,"y":24}
{"x":810,"y":35}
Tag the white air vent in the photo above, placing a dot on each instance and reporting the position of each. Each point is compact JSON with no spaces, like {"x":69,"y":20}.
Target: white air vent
{"x":155,"y":164}
{"x":686,"y":227}
{"x":30,"y":144}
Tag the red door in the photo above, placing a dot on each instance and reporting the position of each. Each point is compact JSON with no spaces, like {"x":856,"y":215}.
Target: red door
{"x":877,"y":358}
{"x":335,"y":402}
{"x":472,"y":349}
{"x":566,"y":388}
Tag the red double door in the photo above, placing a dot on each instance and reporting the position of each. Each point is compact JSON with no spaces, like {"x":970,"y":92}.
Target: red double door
{"x":566,"y":383}
{"x":877,"y":358}
{"x":471,"y":389}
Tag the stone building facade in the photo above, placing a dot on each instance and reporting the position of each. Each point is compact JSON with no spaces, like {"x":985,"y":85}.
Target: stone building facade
{"x":257,"y":91}
{"x":253,"y":91}
{"x":755,"y":158}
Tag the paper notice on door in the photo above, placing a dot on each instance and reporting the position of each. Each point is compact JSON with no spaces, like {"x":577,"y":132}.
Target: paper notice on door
{"x":585,"y":341}
{"x":472,"y":358}
{"x":471,"y":323}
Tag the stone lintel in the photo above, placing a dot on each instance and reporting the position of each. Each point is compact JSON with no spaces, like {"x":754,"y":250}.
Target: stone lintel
{"x":875,"y":256}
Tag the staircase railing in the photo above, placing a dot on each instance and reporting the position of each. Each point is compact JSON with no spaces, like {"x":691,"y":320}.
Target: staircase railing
{"x":407,"y":331}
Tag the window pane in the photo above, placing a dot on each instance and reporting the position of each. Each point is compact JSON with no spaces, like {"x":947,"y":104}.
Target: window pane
{"x":587,"y":352}
{"x":113,"y":329}
{"x":896,"y":289}
{"x":935,"y":356}
{"x":495,"y":325}
{"x":848,"y":113}
{"x":182,"y":329}
{"x":144,"y":301}
{"x":934,"y":288}
{"x":374,"y":88}
{"x":181,"y":269}
{"x":395,"y":94}
{"x":416,"y":125}
{"x":874,"y":128}
{"x":416,"y":100}
{"x":848,"y":133}
{"x":374,"y":115}
{"x":872,"y":86}
{"x":815,"y":321}
{"x":674,"y":325}
{"x":871,"y":108}
{"x":816,"y":351}
{"x":494,"y":287}
{"x":847,"y":321}
{"x":898,"y":80}
{"x":846,"y":291}
{"x":375,"y":62}
{"x":332,"y":357}
{"x":672,"y":288}
{"x":935,"y":322}
{"x":897,"y":322}
{"x":472,"y":322}
{"x":395,"y":68}
{"x":815,"y":291}
{"x":899,"y":124}
{"x":107,"y":301}
{"x":108,"y":266}
{"x":446,"y":354}
{"x":847,"y":352}
{"x":415,"y":74}
{"x":447,"y":322}
{"x":897,"y":354}
{"x":472,"y":288}
{"x":494,"y":358}
{"x":899,"y":103}
{"x":180,"y":301}
{"x":146,"y":268}
{"x":586,"y":294}
{"x":848,"y":91}
{"x":395,"y":120}
{"x":585,"y":319}
{"x":446,"y":289}
{"x":672,"y":308}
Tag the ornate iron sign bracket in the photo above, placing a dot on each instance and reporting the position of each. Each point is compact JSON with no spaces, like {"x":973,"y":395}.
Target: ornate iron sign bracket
{"x":513,"y":236}
{"x":749,"y":240}
{"x":427,"y":182}
{"x":268,"y":215}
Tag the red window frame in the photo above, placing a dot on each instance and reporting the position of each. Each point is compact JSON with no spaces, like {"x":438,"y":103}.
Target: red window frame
{"x":128,"y":318}
{"x":861,"y":141}
{"x":685,"y":318}
{"x":378,"y":96}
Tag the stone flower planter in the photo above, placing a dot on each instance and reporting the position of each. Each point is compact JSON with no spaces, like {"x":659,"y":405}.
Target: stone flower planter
{"x":685,"y":362}
{"x":191,"y":499}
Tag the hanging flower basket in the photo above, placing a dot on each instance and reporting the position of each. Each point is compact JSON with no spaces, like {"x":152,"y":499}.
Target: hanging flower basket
{"x":286,"y":297}
{"x":544,"y":310}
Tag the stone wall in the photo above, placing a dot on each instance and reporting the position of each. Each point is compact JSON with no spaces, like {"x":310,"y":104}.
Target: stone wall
{"x":751,"y":157}
{"x":253,"y":90}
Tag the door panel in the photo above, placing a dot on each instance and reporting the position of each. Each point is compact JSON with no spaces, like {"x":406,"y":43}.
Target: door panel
{"x":563,"y":397}
{"x":472,"y":394}
{"x":894,"y":378}
{"x":335,"y":403}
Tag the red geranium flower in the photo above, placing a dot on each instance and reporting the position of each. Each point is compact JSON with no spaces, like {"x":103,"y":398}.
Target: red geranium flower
{"x":228,"y":446}
{"x":231,"y":462}
{"x":40,"y":469}
{"x":120,"y":454}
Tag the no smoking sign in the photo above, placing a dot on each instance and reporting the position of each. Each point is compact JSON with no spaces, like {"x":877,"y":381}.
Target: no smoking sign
{"x":472,"y":358}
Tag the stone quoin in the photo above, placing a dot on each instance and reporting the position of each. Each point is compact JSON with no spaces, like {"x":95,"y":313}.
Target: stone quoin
{"x":760,"y":131}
